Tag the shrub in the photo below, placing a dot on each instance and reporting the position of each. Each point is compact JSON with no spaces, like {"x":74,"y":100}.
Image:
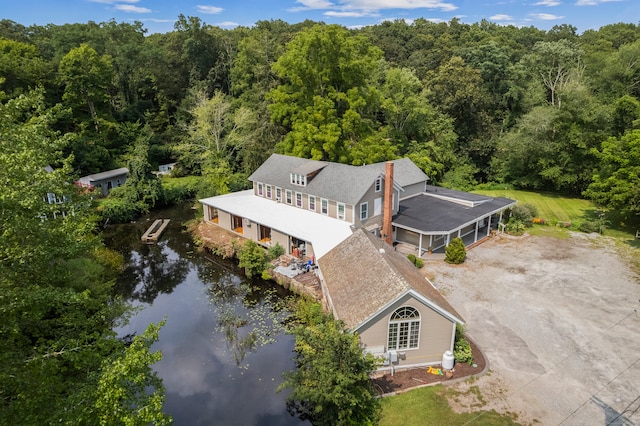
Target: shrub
{"x":455,"y":252}
{"x":524,"y":213}
{"x":589,"y":227}
{"x":252,"y":258}
{"x":461,"y":348}
{"x":275,"y":251}
{"x":119,"y":210}
{"x":515,"y":227}
{"x":415,"y":260}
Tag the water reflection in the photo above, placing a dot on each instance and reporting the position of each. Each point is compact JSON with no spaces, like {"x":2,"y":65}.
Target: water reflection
{"x":224,"y":351}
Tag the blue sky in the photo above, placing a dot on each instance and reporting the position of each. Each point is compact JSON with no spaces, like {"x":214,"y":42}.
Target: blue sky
{"x":159,"y":15}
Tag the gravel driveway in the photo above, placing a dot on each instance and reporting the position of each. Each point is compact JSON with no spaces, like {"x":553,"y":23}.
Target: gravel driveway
{"x":559,"y":321}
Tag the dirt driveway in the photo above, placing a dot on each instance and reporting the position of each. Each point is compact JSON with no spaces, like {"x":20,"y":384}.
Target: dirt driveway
{"x":559,"y":321}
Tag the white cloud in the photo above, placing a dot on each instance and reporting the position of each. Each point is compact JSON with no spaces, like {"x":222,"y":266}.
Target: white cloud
{"x":350,"y":8}
{"x":227,"y":24}
{"x":351,"y":14}
{"x":132,"y":9}
{"x":546,"y":16}
{"x":211,"y":10}
{"x":315,"y":4}
{"x":547,"y":3}
{"x":593,"y":2}
{"x":160,"y":21}
{"x":501,"y":17}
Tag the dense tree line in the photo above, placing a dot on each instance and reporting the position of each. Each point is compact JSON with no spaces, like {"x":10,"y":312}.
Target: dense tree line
{"x":468,"y":103}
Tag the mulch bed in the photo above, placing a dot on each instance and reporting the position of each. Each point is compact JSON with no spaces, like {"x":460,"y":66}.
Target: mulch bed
{"x":403,"y":380}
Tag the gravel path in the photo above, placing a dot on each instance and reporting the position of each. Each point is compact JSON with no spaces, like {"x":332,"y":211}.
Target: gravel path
{"x":559,"y":322}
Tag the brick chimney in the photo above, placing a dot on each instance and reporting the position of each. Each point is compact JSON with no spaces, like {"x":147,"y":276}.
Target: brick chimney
{"x":387,"y":213}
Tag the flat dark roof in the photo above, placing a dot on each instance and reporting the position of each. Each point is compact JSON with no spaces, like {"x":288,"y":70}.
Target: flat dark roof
{"x":434,"y":215}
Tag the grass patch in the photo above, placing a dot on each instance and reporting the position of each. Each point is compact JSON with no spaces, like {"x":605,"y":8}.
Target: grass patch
{"x":550,"y":206}
{"x":429,"y":406}
{"x":554,"y":207}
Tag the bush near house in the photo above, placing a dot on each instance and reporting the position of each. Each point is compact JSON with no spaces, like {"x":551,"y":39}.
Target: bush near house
{"x":415,"y":260}
{"x":461,"y":348}
{"x":252,"y":258}
{"x":455,"y":252}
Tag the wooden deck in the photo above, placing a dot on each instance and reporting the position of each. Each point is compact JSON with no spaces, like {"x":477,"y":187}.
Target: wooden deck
{"x":155,"y":230}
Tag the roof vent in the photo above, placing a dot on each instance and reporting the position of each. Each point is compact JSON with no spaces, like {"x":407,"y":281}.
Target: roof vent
{"x":381,"y":251}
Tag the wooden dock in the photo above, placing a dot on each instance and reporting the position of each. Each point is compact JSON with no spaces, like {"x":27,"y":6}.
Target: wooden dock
{"x":155,"y":230}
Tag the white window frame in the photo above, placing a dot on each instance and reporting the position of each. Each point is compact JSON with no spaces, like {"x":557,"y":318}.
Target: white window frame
{"x":268,"y":191}
{"x":260,"y":189}
{"x":364,"y":208}
{"x":299,"y":200}
{"x":278,"y":194}
{"x":297,"y":179}
{"x":324,"y":206}
{"x":288,"y":196}
{"x":342,"y":215}
{"x":378,"y":184}
{"x":403,"y":331}
{"x":312,"y":203}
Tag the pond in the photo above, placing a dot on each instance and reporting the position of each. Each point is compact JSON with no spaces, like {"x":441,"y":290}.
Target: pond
{"x":223,"y":345}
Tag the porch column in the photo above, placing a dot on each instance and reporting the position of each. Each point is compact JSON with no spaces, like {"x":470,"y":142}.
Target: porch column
{"x":489,"y":226}
{"x":420,"y":246}
{"x":475,"y":237}
{"x":446,"y":243}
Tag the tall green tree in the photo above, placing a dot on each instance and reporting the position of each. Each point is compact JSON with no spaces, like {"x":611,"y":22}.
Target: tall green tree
{"x":327,"y":99}
{"x":87,"y":78}
{"x":57,"y":312}
{"x":616,"y":183}
{"x":331,"y":385}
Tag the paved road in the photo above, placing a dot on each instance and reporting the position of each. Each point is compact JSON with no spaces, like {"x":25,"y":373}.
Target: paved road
{"x":559,"y":321}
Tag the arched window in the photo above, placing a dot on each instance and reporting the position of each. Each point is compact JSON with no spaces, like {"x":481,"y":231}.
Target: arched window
{"x":404,"y":329}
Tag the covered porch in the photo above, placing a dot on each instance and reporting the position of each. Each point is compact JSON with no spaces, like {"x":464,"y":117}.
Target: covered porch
{"x":429,"y":223}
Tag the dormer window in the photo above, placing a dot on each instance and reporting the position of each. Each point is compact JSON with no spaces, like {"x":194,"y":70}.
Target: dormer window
{"x":298,"y":179}
{"x":379,"y":184}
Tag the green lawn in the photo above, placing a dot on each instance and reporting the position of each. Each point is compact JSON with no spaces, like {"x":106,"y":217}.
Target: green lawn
{"x":550,"y":206}
{"x":429,"y":406}
{"x":567,"y":209}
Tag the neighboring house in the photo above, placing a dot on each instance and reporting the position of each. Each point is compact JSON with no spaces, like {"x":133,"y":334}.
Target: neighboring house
{"x":382,"y":296}
{"x":165,"y":169}
{"x":104,"y":181}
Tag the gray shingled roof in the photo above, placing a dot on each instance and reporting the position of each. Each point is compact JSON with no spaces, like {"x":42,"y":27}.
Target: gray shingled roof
{"x":341,"y":182}
{"x":104,"y":175}
{"x":430,"y":214}
{"x":361,"y":279}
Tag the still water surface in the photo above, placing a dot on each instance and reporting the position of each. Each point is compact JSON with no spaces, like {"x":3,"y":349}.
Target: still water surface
{"x":212,"y":372}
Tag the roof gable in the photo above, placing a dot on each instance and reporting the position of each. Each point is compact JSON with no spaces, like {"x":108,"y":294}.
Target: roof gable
{"x":363,"y":275}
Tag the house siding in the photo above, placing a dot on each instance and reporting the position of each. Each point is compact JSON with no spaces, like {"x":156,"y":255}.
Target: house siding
{"x":411,"y":190}
{"x":333,"y":204}
{"x":278,"y":237}
{"x":435,"y":334}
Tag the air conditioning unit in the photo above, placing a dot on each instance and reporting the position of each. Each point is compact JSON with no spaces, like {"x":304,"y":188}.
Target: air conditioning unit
{"x":278,"y":200}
